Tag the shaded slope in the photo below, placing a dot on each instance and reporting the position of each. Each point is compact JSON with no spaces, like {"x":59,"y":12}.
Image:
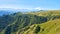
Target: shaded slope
{"x":23,"y":21}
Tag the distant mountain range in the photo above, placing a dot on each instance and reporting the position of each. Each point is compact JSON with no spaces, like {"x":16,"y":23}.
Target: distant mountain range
{"x":4,"y":11}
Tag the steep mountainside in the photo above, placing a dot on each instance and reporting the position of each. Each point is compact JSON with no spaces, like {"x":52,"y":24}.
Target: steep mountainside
{"x":30,"y":23}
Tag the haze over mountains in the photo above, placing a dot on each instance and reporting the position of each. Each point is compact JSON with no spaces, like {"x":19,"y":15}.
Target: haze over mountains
{"x":4,"y":11}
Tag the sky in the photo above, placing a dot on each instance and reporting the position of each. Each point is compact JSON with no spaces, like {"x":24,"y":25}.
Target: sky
{"x":31,"y":4}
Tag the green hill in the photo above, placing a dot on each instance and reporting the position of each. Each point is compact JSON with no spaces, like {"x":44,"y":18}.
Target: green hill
{"x":50,"y":27}
{"x":41,"y":22}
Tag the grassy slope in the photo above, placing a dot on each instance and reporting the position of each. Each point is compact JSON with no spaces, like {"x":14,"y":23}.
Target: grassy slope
{"x":50,"y":27}
{"x":44,"y":13}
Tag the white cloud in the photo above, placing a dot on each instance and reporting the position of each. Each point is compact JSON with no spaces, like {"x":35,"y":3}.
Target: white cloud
{"x":39,"y":8}
{"x":21,"y":7}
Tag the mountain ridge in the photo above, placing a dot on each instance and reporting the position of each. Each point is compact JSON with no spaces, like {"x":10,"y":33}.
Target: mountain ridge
{"x":29,"y":23}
